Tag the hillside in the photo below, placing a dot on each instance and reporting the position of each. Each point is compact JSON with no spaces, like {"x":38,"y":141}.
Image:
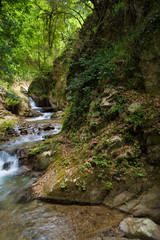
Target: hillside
{"x":108,"y":151}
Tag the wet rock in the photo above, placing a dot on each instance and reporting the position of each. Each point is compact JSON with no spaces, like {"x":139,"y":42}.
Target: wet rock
{"x":23,"y":131}
{"x":7,"y":165}
{"x":59,"y":184}
{"x":43,"y":161}
{"x":35,"y":174}
{"x":58,"y":114}
{"x":48,"y":127}
{"x":23,"y":170}
{"x":141,"y":227}
{"x":22,"y":156}
{"x":34,"y":113}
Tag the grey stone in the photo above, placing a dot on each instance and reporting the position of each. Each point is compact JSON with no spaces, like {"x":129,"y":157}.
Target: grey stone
{"x":108,"y":98}
{"x":141,"y":227}
{"x":107,"y":102}
{"x":122,"y":198}
{"x":134,"y":107}
{"x":147,"y":204}
{"x":114,"y":143}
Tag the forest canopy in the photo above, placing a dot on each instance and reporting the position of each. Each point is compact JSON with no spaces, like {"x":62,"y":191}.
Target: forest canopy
{"x":34,"y":32}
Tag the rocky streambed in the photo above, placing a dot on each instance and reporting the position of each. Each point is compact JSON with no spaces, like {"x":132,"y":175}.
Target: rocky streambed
{"x":36,"y":219}
{"x":39,"y":219}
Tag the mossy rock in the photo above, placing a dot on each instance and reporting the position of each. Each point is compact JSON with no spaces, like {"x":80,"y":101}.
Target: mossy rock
{"x":70,"y":186}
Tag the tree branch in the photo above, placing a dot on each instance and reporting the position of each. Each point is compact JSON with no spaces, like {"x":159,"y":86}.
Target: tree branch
{"x":87,"y":5}
{"x":77,"y":13}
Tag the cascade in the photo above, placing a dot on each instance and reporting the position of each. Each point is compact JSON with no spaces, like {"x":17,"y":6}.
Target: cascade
{"x":44,"y":115}
{"x":8,"y":165}
{"x":32,"y":103}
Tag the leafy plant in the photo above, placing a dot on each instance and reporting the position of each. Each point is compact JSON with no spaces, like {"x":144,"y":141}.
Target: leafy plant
{"x":63,"y":185}
{"x":109,"y":186}
{"x":87,"y":164}
{"x":6,"y":127}
{"x":12,"y":101}
{"x":66,"y":163}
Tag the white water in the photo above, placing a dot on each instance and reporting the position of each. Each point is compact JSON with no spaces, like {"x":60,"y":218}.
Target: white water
{"x":12,"y":161}
{"x":32,"y":103}
{"x":8,"y":162}
{"x":44,"y":115}
{"x":30,"y":138}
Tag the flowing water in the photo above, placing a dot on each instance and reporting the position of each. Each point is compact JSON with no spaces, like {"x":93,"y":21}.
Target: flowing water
{"x":38,"y":220}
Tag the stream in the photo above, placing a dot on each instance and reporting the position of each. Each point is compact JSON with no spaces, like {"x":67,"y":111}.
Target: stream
{"x":38,"y":220}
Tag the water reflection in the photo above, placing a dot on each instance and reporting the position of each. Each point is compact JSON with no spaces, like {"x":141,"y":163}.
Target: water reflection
{"x":38,"y":220}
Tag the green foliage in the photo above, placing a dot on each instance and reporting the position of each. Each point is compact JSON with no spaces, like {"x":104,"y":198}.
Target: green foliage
{"x":136,"y":118}
{"x":63,"y":185}
{"x":33,"y":33}
{"x":6,"y":126}
{"x":66,"y":163}
{"x":91,"y":68}
{"x":109,"y":186}
{"x":100,"y":161}
{"x":34,"y":151}
{"x":42,"y":84}
{"x":12,"y":101}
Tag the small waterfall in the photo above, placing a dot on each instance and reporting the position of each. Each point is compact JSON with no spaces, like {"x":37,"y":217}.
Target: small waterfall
{"x":8,"y":165}
{"x":44,"y":115}
{"x":32,"y":103}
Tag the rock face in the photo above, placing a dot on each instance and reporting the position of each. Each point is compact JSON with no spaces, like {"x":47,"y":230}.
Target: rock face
{"x":150,"y":62}
{"x":147,"y":204}
{"x":141,"y":227}
{"x":153,"y":146}
{"x":108,"y":99}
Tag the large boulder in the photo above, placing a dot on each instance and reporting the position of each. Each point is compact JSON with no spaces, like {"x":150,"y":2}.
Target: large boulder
{"x":146,"y":204}
{"x":143,"y":228}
